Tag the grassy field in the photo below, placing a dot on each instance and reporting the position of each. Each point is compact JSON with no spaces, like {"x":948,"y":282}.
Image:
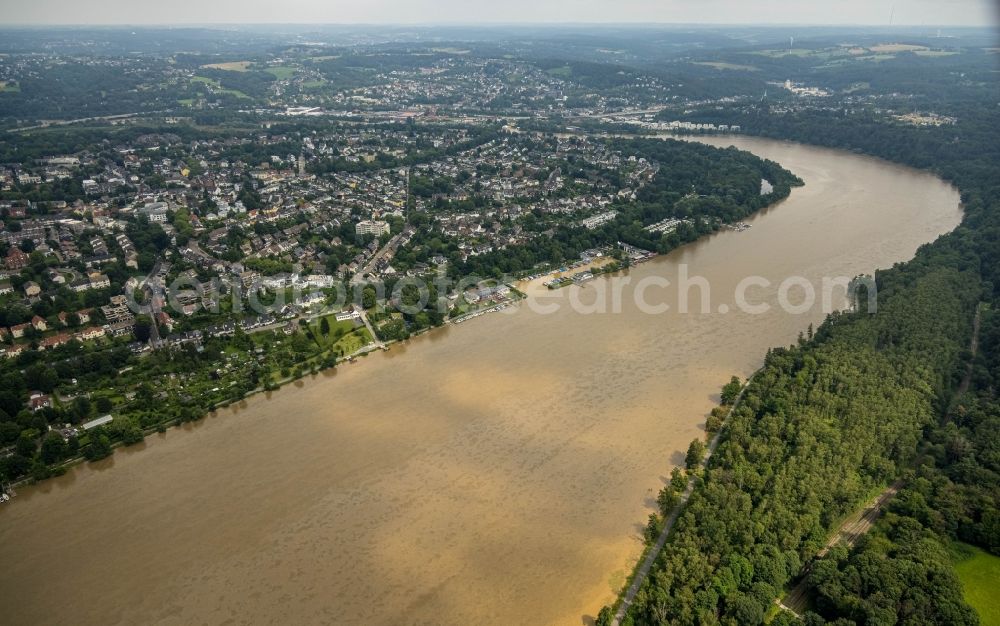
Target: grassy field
{"x":934,"y":53}
{"x":979,"y":572}
{"x":281,"y":72}
{"x":721,"y":65}
{"x":896,"y":47}
{"x":877,"y":57}
{"x":343,"y":337}
{"x":233,"y":66}
{"x":348,"y":344}
{"x":214,"y":84}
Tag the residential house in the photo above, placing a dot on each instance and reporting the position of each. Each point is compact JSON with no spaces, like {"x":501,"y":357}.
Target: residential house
{"x":120,"y":329}
{"x":39,"y":324}
{"x":12,"y":351}
{"x":164,"y":320}
{"x":343,"y":316}
{"x":38,"y":400}
{"x":54,"y":341}
{"x":90,"y":333}
{"x":16,"y":259}
{"x":99,"y":281}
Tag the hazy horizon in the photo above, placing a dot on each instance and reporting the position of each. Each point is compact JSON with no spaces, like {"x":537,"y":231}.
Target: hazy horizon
{"x":981,"y":13}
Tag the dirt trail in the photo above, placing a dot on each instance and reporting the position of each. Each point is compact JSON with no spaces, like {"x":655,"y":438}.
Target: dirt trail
{"x":852,"y":529}
{"x":973,"y":349}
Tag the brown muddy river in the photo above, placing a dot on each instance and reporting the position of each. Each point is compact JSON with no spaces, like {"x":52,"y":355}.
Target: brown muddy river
{"x":495,"y":472}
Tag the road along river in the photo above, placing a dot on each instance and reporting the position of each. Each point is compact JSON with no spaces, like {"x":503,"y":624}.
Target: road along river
{"x":496,"y":472}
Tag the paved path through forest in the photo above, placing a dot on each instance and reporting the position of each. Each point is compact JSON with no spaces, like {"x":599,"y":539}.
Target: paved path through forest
{"x":654,"y":551}
{"x":852,"y":529}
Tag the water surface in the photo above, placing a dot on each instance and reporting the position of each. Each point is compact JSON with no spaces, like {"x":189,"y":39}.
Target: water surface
{"x":496,"y":472}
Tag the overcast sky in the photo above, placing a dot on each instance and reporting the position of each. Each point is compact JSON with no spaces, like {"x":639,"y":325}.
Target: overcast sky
{"x":921,"y":12}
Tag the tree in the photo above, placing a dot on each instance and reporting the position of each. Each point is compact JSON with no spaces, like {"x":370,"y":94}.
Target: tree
{"x":653,"y":527}
{"x":324,"y":326}
{"x":9,"y":432}
{"x":667,"y":499}
{"x":695,"y":455}
{"x":731,"y":391}
{"x":131,"y":433}
{"x":14,"y":466}
{"x":39,"y":470}
{"x":25,"y":445}
{"x":104,"y":404}
{"x":716,"y":419}
{"x":678,"y":481}
{"x":41,"y":377}
{"x":143,"y":327}
{"x":746,"y":609}
{"x":368,"y":297}
{"x":604,"y":617}
{"x":81,"y":407}
{"x":53,"y":448}
{"x":100,"y":446}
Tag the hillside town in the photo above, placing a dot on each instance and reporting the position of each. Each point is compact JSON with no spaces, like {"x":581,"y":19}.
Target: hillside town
{"x":254,"y":213}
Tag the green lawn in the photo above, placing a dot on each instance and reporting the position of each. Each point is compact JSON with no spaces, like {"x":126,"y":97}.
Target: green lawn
{"x":343,"y":336}
{"x":232,"y":66}
{"x":719,"y":65}
{"x":218,"y":87}
{"x":979,"y":572}
{"x":337,"y":329}
{"x":348,"y":344}
{"x":281,"y":72}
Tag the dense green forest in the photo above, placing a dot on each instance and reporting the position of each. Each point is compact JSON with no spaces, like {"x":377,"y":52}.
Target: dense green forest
{"x":80,"y":89}
{"x":902,"y":570}
{"x":868,"y":399}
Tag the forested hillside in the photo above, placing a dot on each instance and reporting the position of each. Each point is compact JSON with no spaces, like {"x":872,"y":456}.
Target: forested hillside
{"x":902,"y":570}
{"x":869,"y":399}
{"x":820,"y":427}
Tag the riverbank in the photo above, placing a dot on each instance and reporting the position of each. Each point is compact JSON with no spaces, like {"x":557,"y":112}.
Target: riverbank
{"x":641,"y":571}
{"x":491,"y":472}
{"x":595,"y":262}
